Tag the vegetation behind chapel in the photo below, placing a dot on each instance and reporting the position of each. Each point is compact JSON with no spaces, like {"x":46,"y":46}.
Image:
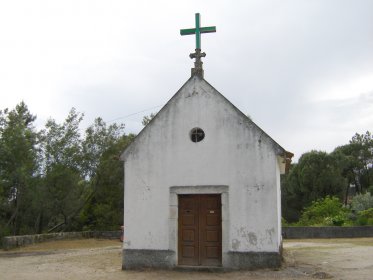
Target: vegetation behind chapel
{"x":60,"y":178}
{"x":339,"y":180}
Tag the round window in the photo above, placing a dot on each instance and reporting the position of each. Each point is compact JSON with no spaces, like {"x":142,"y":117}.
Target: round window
{"x":197,"y":134}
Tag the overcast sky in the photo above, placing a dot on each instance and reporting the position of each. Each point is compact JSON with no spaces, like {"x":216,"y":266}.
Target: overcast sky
{"x":303,"y":70}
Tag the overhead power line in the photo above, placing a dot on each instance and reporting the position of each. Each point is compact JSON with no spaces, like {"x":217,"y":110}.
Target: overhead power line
{"x":130,"y":115}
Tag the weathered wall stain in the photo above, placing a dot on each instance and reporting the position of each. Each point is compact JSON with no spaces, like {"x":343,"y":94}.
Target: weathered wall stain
{"x":248,"y":236}
{"x":236,"y":244}
{"x":252,"y":238}
{"x":269,"y":235}
{"x":254,"y":188}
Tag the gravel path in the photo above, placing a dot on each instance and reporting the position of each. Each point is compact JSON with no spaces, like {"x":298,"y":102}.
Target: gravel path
{"x":101,"y":259}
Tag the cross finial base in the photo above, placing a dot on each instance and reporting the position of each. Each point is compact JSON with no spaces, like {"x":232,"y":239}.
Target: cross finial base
{"x":197,"y":70}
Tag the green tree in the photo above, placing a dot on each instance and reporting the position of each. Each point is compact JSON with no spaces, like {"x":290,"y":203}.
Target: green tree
{"x":19,"y":168}
{"x":356,"y":159}
{"x":63,"y":178}
{"x":104,"y":207}
{"x":316,"y":175}
{"x":57,"y":180}
{"x":98,"y":138}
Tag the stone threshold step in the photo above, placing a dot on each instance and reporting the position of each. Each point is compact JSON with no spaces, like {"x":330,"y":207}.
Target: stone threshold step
{"x":200,"y":268}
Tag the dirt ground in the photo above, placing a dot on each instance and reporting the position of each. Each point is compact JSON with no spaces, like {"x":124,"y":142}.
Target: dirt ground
{"x":92,"y":259}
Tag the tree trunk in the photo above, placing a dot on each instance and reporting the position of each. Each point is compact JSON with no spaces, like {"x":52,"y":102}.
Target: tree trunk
{"x":39,"y":222}
{"x":346,"y":194}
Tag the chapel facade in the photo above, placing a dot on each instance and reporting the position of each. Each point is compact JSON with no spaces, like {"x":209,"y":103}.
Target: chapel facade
{"x":202,"y":186}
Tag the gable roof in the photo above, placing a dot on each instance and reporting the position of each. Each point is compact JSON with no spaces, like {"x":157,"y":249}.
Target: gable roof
{"x":198,"y":81}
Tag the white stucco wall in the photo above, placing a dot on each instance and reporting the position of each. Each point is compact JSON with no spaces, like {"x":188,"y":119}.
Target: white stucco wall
{"x":234,"y":153}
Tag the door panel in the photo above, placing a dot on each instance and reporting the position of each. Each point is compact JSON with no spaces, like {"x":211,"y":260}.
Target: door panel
{"x":210,"y":230}
{"x":188,"y":231}
{"x":200,"y":230}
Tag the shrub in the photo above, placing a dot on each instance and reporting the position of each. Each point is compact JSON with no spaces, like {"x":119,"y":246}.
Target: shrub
{"x":324,"y":212}
{"x":362,"y":202}
{"x":365,"y":217}
{"x":284,"y":223}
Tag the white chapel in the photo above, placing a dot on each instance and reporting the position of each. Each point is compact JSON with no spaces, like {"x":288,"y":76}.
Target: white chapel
{"x":202,"y":184}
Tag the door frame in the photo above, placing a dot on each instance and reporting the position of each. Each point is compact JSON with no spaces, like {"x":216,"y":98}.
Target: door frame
{"x":174,"y":209}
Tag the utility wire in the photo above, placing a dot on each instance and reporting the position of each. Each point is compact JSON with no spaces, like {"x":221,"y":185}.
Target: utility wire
{"x":124,"y":117}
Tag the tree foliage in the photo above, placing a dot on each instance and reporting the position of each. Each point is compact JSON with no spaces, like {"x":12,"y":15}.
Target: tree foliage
{"x":365,"y":217}
{"x":147,"y":119}
{"x":356,"y":159}
{"x":63,"y":179}
{"x":316,"y":175}
{"x":362,"y":202}
{"x":18,"y":168}
{"x":104,"y":205}
{"x":58,"y":178}
{"x":362,"y":209}
{"x":319,"y":174}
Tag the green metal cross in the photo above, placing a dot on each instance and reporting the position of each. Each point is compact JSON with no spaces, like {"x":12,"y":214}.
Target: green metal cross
{"x":198,"y":30}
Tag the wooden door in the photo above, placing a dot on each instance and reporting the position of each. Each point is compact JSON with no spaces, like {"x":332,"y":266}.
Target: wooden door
{"x":200,"y":230}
